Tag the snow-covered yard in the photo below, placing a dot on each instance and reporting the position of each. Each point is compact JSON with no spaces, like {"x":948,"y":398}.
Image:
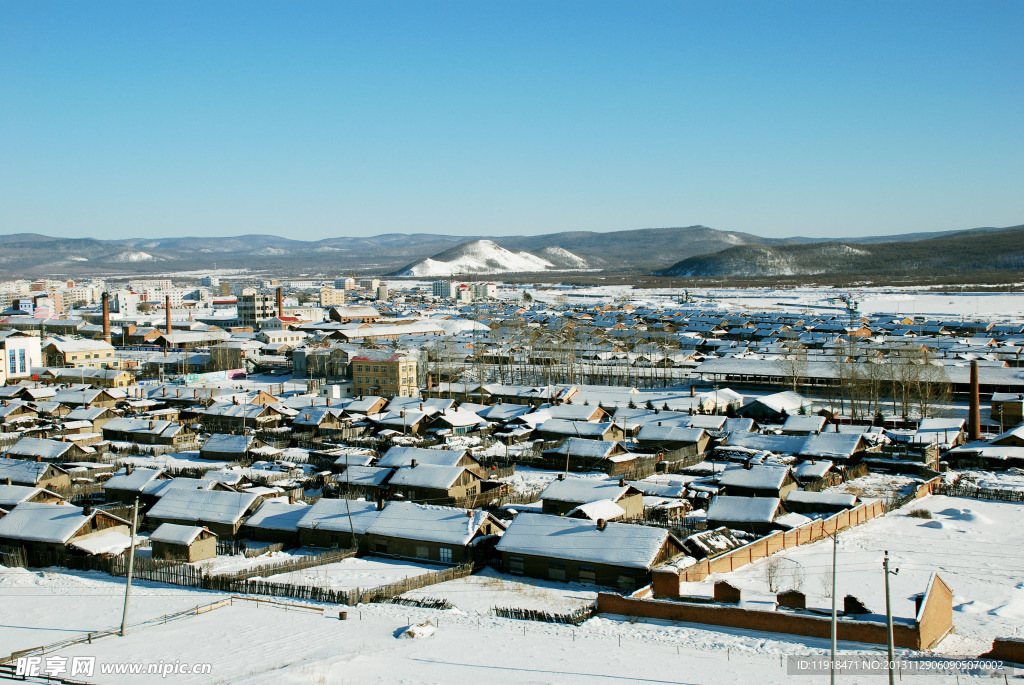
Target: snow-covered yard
{"x":528,"y":479}
{"x":976,"y":546}
{"x":348,"y":574}
{"x":477,"y":594}
{"x":877,"y":486}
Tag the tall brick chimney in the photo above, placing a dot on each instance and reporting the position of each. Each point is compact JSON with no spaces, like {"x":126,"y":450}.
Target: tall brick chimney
{"x":167,"y":310}
{"x":974,"y":418}
{"x":106,"y":317}
{"x":280,"y":301}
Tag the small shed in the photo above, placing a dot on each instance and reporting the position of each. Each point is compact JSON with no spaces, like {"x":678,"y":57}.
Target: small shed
{"x":183,"y":543}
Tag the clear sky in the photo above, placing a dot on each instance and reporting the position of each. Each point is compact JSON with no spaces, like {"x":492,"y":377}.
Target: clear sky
{"x":317,"y":119}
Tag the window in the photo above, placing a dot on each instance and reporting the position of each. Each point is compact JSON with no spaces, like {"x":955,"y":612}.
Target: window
{"x":588,"y":574}
{"x":515,"y":565}
{"x":422,"y":552}
{"x":556,"y":570}
{"x":13,"y":365}
{"x":445,"y":554}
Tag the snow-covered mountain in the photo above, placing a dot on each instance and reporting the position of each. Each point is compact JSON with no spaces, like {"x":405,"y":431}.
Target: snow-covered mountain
{"x":487,"y":257}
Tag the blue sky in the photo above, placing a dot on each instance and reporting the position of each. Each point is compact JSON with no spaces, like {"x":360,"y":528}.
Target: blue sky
{"x":317,"y":119}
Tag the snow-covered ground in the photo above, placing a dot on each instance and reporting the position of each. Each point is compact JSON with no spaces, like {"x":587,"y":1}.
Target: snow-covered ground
{"x":348,"y":574}
{"x":174,"y":460}
{"x":976,"y":547}
{"x":478,"y":594}
{"x":40,"y":607}
{"x":877,"y":486}
{"x":235,"y":563}
{"x":528,"y":479}
{"x":1013,"y":479}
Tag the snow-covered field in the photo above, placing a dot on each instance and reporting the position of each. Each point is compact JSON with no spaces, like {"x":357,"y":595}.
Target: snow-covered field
{"x":478,"y":594}
{"x":348,"y":574}
{"x":40,"y":607}
{"x":976,"y":546}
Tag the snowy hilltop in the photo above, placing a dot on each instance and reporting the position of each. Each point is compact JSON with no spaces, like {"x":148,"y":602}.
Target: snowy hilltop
{"x":487,"y":257}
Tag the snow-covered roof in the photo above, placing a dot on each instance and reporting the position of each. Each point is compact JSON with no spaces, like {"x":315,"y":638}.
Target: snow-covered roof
{"x":177,"y":534}
{"x":164,"y":429}
{"x":108,"y":542}
{"x":707,"y":421}
{"x":227,"y":444}
{"x":743,"y":509}
{"x":839,"y":445}
{"x":792,"y":520}
{"x":278,"y":514}
{"x":582,"y":490}
{"x":215,"y":506}
{"x":599,"y":509}
{"x":803,"y":424}
{"x":580,"y":447}
{"x":160,"y":487}
{"x":427,"y":476}
{"x":403,"y":456}
{"x":334,"y":515}
{"x":13,"y":495}
{"x":655,"y":433}
{"x":460,"y":418}
{"x":619,"y":544}
{"x":39,"y":522}
{"x":23,"y":471}
{"x":832,"y":499}
{"x":757,"y":477}
{"x":779,"y":444}
{"x":363,"y":475}
{"x":446,"y":525}
{"x":47,"y":450}
{"x":812,"y":469}
{"x":134,"y":481}
{"x":577,"y":428}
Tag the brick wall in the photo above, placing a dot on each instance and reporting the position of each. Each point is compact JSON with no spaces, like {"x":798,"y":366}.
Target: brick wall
{"x":1006,"y":649}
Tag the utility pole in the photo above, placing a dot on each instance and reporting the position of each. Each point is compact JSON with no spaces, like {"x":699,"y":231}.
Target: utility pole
{"x":131,"y":565}
{"x":835,"y":545}
{"x":888,"y":615}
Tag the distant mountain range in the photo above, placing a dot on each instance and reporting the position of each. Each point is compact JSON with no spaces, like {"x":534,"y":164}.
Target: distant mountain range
{"x":686,"y":251}
{"x":961,"y":252}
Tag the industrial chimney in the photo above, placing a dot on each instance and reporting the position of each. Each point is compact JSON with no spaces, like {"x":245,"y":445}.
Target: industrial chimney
{"x":106,"y":317}
{"x":974,"y":418}
{"x":167,"y":310}
{"x":280,"y":301}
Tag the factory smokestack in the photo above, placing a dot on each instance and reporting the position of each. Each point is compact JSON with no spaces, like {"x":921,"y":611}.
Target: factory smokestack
{"x":106,"y":317}
{"x":167,"y":310}
{"x":280,"y":302}
{"x":974,"y":419}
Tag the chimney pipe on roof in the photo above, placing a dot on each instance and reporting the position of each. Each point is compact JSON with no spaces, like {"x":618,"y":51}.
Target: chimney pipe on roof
{"x":622,"y":482}
{"x":413,"y":464}
{"x":106,"y":317}
{"x":601,"y":524}
{"x":974,"y":420}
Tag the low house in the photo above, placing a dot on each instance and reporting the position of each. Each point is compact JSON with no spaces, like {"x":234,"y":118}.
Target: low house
{"x":13,"y":495}
{"x":816,"y":474}
{"x":147,"y":432}
{"x":439,"y":484}
{"x":1007,"y":408}
{"x":457,"y":422}
{"x":803,"y":425}
{"x":776,"y":406}
{"x":97,"y":416}
{"x":837,"y":447}
{"x":676,"y":442}
{"x":408,"y":421}
{"x":617,"y":555}
{"x":804,"y":502}
{"x":183,"y":543}
{"x":600,"y":510}
{"x":221,"y":512}
{"x":128,"y":484}
{"x":946,"y":432}
{"x":749,"y":514}
{"x":337,"y":523}
{"x":756,"y":480}
{"x":43,"y":526}
{"x":221,"y":447}
{"x":443,"y":534}
{"x":36,"y":473}
{"x":408,"y":456}
{"x":45,"y":449}
{"x":560,"y":429}
{"x":562,"y":496}
{"x":577,"y":454}
{"x":277,"y":520}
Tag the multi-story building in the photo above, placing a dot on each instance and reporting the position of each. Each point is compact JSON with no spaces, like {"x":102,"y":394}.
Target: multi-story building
{"x":382,"y":292}
{"x":384,"y":373}
{"x":210,"y":281}
{"x":254,"y":307}
{"x":369,"y":283}
{"x":76,"y":353}
{"x":21,"y":352}
{"x":332,"y":297}
{"x":483,"y":291}
{"x":152,"y":284}
{"x":344,"y":284}
{"x":444,"y":289}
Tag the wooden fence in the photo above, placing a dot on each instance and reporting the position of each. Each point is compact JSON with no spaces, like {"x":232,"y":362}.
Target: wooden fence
{"x":998,"y":494}
{"x":572,"y":618}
